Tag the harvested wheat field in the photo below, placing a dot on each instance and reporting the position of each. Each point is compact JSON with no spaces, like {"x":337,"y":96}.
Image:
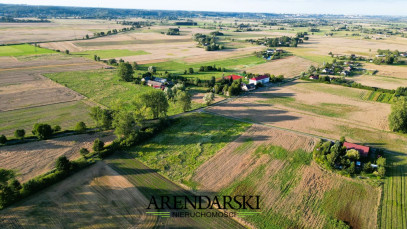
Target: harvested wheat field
{"x":289,"y":67}
{"x":389,"y":70}
{"x":159,"y":46}
{"x":296,"y":193}
{"x":23,"y":89}
{"x":97,"y":197}
{"x":319,"y":109}
{"x":323,"y":45}
{"x":58,"y":29}
{"x":32,"y":159}
{"x":386,"y":82}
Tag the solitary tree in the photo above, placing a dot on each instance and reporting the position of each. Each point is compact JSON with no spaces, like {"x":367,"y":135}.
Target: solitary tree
{"x":102,"y":117}
{"x":63,"y":164}
{"x":184,"y":100}
{"x":156,"y":101}
{"x":381,"y":171}
{"x":80,"y":127}
{"x":3,"y":139}
{"x":208,"y":98}
{"x":134,"y":65}
{"x":84,"y":152}
{"x":124,"y":123}
{"x":42,"y":131}
{"x":398,"y":115}
{"x":56,"y":129}
{"x":381,"y":162}
{"x":152,"y":69}
{"x":125,"y":71}
{"x":98,"y":145}
{"x":168,"y":93}
{"x":67,"y":51}
{"x":20,"y":133}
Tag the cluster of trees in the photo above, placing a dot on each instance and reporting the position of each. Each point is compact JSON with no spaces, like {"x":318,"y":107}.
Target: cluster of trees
{"x":136,"y":24}
{"x":109,"y":32}
{"x":283,"y":41}
{"x":12,"y":191}
{"x":40,"y":130}
{"x":9,"y":188}
{"x":390,"y":57}
{"x":209,"y":42}
{"x":211,"y":69}
{"x":9,"y":19}
{"x":398,"y":115}
{"x":335,"y":156}
{"x":173,"y":31}
{"x":188,"y":22}
{"x":272,"y":56}
{"x":43,"y":131}
{"x":228,"y":87}
{"x":216,"y":33}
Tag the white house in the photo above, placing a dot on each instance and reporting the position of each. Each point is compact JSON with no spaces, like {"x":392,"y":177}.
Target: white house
{"x":259,"y":79}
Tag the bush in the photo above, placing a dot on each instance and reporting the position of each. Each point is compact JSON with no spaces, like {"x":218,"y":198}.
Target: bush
{"x":80,"y":127}
{"x":20,"y":133}
{"x":63,"y":164}
{"x":3,"y":139}
{"x":84,"y":152}
{"x":56,"y":129}
{"x":42,"y":131}
{"x":98,"y":145}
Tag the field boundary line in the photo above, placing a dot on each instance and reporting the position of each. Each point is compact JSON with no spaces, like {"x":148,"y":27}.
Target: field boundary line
{"x":42,"y":105}
{"x":47,"y":66}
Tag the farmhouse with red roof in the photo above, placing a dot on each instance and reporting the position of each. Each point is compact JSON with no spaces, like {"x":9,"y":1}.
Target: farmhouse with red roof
{"x":259,"y":79}
{"x":363,"y":150}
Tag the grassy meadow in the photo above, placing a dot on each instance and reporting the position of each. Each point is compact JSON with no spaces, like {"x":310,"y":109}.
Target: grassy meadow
{"x":105,"y":87}
{"x":193,"y":139}
{"x":109,"y":53}
{"x":22,"y":50}
{"x":64,"y":114}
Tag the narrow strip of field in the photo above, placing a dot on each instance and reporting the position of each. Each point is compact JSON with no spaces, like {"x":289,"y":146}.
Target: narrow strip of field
{"x":45,"y":66}
{"x":150,"y":183}
{"x":22,"y":50}
{"x":97,"y":197}
{"x":109,"y":53}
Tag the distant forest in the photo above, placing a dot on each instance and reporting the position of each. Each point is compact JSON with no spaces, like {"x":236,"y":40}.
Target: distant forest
{"x":18,"y":11}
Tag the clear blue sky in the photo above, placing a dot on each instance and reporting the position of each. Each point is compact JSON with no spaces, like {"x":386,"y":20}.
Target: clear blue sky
{"x":366,"y":7}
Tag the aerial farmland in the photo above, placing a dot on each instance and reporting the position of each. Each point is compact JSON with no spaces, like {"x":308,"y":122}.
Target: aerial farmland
{"x":129,"y":118}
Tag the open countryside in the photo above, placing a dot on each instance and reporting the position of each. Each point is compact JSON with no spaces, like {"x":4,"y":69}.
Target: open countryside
{"x":106,"y":114}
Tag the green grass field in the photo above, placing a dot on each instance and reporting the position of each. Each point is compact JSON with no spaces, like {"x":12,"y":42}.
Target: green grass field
{"x":105,"y":87}
{"x":287,"y":197}
{"x":393,"y":213}
{"x":22,"y":50}
{"x":150,"y":183}
{"x":64,"y":114}
{"x":189,"y":142}
{"x":229,"y":64}
{"x":326,"y":109}
{"x":110,"y":53}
